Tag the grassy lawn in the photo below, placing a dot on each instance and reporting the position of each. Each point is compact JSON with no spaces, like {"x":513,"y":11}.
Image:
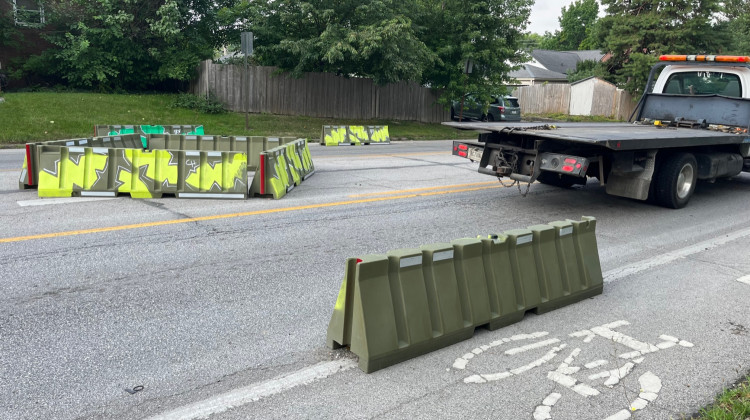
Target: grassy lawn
{"x":45,"y":116}
{"x":733,"y":404}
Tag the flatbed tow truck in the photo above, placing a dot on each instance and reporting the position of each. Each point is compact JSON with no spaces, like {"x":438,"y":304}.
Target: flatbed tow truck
{"x":693,"y":125}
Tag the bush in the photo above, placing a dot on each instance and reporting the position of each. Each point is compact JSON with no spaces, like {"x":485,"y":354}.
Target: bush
{"x":209,"y":105}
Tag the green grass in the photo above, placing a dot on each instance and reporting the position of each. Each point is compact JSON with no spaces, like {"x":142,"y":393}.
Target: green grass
{"x":42,"y":116}
{"x":733,"y":404}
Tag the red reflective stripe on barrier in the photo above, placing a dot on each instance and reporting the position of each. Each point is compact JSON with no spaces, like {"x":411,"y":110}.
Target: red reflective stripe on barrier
{"x":359,"y":260}
{"x":262,"y":175}
{"x":28,"y":165}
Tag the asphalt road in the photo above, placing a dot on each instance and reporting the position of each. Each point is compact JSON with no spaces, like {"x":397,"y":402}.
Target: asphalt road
{"x":228,"y":314}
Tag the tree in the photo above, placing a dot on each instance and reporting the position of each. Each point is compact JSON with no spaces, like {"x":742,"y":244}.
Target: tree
{"x":127,"y":44}
{"x":487,"y":33}
{"x":576,"y":21}
{"x":635,"y":32}
{"x":375,"y":38}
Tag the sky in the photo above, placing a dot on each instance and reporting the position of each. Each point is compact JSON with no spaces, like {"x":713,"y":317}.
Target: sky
{"x":544,"y":14}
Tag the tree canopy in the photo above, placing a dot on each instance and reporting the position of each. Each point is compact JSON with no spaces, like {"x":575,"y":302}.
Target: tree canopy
{"x":576,"y":24}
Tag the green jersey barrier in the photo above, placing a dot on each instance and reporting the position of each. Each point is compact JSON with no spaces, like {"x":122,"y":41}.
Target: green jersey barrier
{"x":107,"y":172}
{"x":113,"y":130}
{"x":281,"y":169}
{"x":409,"y":302}
{"x":354,"y":135}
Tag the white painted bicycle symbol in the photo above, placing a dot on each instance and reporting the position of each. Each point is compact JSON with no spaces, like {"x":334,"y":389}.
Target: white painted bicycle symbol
{"x":568,"y":372}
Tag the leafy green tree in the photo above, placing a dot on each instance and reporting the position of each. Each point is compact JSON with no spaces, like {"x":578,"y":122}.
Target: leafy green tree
{"x":635,"y":32}
{"x":128,"y":44}
{"x":576,"y":21}
{"x":375,"y":38}
{"x":487,"y":33}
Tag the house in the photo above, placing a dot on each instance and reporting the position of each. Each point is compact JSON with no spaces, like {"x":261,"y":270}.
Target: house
{"x":547,"y":66}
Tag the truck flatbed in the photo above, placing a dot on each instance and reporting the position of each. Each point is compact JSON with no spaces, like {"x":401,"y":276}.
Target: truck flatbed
{"x":614,"y":136}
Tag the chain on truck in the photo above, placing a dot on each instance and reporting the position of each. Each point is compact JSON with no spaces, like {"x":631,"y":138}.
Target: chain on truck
{"x":690,"y":124}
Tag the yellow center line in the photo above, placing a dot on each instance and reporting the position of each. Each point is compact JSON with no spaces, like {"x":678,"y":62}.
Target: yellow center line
{"x":442,"y":187}
{"x":234,"y":215}
{"x":386,"y":155}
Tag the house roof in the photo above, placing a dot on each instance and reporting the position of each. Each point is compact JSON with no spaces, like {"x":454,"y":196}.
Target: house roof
{"x":529,"y":71}
{"x":564,"y":61}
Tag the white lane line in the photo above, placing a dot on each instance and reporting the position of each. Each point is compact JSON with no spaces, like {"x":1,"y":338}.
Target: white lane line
{"x":255,"y":392}
{"x":639,"y":266}
{"x":745,"y":279}
{"x":65,"y":200}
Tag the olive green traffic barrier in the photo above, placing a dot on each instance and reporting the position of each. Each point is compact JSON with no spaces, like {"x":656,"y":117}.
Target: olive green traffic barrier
{"x":354,"y":135}
{"x":252,"y":145}
{"x":281,"y":169}
{"x":409,"y":302}
{"x":113,"y":130}
{"x":31,"y":166}
{"x":107,"y":172}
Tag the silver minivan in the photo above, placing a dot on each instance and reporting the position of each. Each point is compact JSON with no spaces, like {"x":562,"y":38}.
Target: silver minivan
{"x":501,"y":108}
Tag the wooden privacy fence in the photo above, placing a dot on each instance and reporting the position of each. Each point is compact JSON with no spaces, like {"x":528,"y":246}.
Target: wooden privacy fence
{"x":590,"y":97}
{"x":552,"y":98}
{"x":316,"y":94}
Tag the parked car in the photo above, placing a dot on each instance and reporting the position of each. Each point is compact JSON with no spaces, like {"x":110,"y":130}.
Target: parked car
{"x":501,"y":108}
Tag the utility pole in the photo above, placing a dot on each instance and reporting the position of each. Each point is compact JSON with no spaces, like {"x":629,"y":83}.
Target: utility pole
{"x":246,"y":45}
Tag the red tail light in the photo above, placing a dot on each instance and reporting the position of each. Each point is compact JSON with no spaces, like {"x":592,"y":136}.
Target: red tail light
{"x":463,"y":147}
{"x":462,"y":154}
{"x":502,"y":109}
{"x":567,"y":168}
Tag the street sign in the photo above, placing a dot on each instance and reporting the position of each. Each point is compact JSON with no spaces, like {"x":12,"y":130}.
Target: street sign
{"x":246,"y":43}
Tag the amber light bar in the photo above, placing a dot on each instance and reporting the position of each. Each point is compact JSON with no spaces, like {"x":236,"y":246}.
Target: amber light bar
{"x":716,"y":58}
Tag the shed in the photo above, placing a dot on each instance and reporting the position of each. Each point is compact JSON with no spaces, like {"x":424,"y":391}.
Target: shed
{"x":594,"y":96}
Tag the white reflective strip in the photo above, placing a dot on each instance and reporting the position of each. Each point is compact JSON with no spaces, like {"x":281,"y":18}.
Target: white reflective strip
{"x":240,"y":139}
{"x":192,"y":153}
{"x":106,"y":139}
{"x":442,"y":255}
{"x":309,"y":175}
{"x":274,"y":139}
{"x":209,"y":195}
{"x":208,"y":138}
{"x":83,"y":142}
{"x":76,"y":149}
{"x":523,"y":239}
{"x":410,"y":261}
{"x":97,"y":194}
{"x":566,"y":231}
{"x":70,"y":143}
{"x":214,"y":154}
{"x":100,"y":150}
{"x":191,"y":137}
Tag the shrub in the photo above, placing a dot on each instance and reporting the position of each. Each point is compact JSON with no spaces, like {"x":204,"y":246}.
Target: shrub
{"x":209,"y":105}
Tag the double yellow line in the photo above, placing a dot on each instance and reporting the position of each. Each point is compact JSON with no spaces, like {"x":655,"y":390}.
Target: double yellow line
{"x":386,"y":196}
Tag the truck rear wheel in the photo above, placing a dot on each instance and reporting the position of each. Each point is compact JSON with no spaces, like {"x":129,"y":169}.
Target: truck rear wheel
{"x":675,"y":181}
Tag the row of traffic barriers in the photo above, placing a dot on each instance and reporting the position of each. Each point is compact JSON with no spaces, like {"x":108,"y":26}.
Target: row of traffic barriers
{"x":149,"y":165}
{"x":282,"y":168}
{"x":106,"y":172}
{"x":115,"y":130}
{"x":409,"y":302}
{"x":354,"y":135}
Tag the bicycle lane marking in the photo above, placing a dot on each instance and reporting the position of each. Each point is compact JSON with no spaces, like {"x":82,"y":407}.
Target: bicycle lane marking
{"x":633,"y":353}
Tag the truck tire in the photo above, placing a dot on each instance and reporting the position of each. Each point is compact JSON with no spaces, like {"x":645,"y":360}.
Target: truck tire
{"x":560,"y":180}
{"x":675,"y":180}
